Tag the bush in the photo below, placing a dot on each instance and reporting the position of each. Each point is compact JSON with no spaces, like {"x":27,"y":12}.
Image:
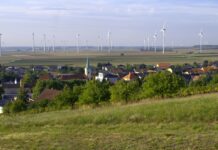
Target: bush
{"x":125,"y":91}
{"x":95,"y":92}
{"x":162,"y":84}
{"x":15,"y":107}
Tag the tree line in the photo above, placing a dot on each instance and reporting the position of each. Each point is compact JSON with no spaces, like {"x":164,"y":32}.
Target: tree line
{"x":93,"y":93}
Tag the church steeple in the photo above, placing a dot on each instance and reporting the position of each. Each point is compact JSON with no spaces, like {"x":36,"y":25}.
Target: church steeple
{"x":88,"y":70}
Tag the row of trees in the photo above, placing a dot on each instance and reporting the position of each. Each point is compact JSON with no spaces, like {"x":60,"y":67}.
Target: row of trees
{"x":159,"y":85}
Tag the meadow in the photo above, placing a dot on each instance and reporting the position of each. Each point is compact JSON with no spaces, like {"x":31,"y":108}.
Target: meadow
{"x":179,"y":123}
{"x":116,"y":58}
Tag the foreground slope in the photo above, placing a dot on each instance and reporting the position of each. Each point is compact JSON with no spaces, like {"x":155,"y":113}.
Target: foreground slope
{"x":185,"y":123}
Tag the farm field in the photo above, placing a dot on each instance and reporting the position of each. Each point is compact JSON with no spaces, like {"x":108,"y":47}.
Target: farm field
{"x":70,"y":58}
{"x":179,"y":123}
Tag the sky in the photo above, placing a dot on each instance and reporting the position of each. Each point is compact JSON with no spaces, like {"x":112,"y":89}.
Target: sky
{"x":129,"y":21}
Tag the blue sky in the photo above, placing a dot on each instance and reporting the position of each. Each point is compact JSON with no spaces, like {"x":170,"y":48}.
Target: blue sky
{"x":128,"y":20}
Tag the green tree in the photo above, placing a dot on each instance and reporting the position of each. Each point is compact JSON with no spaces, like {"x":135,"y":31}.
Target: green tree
{"x":125,"y":91}
{"x":68,"y":97}
{"x":95,"y":92}
{"x":39,"y":87}
{"x":162,"y":84}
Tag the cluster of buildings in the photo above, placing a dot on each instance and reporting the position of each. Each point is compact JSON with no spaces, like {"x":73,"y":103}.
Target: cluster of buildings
{"x":103,"y":72}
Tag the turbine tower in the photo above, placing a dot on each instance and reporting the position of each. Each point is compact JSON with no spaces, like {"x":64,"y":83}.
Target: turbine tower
{"x":33,"y":36}
{"x":155,"y":42}
{"x":78,"y":40}
{"x":163,"y":30}
{"x":145,"y":48}
{"x":148,"y":40}
{"x":201,"y":35}
{"x":53,"y":44}
{"x":44,"y":43}
{"x":0,"y":44}
{"x":109,"y":42}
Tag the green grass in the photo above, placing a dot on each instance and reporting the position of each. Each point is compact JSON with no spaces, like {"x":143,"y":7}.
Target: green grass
{"x":184,"y":123}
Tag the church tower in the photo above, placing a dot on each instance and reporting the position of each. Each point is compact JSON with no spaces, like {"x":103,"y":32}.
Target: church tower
{"x":88,"y":70}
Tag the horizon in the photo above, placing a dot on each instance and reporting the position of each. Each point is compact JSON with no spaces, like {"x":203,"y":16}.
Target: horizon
{"x":128,"y":21}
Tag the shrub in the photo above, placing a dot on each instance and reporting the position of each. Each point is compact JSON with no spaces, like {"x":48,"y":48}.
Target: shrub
{"x":95,"y":92}
{"x":125,"y":91}
{"x":162,"y":84}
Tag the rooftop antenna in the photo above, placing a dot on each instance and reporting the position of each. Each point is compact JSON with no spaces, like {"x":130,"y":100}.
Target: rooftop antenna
{"x":0,"y":44}
{"x":78,"y":40}
{"x":33,"y":36}
{"x":44,"y":43}
{"x":163,"y":30}
{"x":201,"y":35}
{"x":109,"y":42}
{"x":53,"y":45}
{"x":155,"y":42}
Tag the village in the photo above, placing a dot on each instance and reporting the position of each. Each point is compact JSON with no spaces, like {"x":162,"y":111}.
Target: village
{"x":13,"y":77}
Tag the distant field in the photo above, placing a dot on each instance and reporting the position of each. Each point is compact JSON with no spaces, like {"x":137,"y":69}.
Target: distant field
{"x":70,"y":58}
{"x":184,"y":123}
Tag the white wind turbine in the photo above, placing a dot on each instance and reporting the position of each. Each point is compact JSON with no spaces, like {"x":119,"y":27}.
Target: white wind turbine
{"x":148,"y":43}
{"x":109,"y":42}
{"x":33,"y":36}
{"x":0,"y":44}
{"x":155,"y":42}
{"x":163,"y":30}
{"x":78,"y":43}
{"x":53,"y":44}
{"x":45,"y":43}
{"x":201,"y":35}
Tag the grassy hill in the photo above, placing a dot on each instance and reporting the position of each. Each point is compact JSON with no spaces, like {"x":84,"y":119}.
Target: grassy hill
{"x":185,"y":123}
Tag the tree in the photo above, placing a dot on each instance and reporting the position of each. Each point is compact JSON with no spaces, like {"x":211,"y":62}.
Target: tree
{"x":29,"y":78}
{"x":95,"y":92}
{"x":125,"y":91}
{"x":68,"y":97}
{"x":39,"y":87}
{"x":162,"y":84}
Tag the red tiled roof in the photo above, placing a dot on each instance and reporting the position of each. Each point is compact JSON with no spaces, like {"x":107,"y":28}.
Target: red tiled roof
{"x":48,"y":94}
{"x":163,"y":65}
{"x":72,"y":77}
{"x":46,"y":77}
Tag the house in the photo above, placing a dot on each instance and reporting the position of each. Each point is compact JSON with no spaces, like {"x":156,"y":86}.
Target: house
{"x":46,"y":76}
{"x":163,"y":66}
{"x":38,"y":68}
{"x":131,"y":76}
{"x":107,"y":76}
{"x":66,"y":77}
{"x":48,"y":94}
{"x":11,"y":91}
{"x":106,"y":67}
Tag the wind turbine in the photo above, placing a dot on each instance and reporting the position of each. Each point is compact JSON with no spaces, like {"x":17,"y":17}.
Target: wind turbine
{"x":53,"y":44}
{"x":78,"y":40}
{"x":0,"y":44}
{"x":145,"y":44}
{"x":44,"y":42}
{"x":163,"y":30}
{"x":201,"y":35}
{"x":148,"y":40}
{"x":33,"y":36}
{"x":155,"y":42}
{"x":109,"y":42}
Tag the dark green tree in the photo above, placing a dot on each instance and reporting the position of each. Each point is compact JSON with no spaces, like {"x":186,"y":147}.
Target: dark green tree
{"x":162,"y":84}
{"x":95,"y":92}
